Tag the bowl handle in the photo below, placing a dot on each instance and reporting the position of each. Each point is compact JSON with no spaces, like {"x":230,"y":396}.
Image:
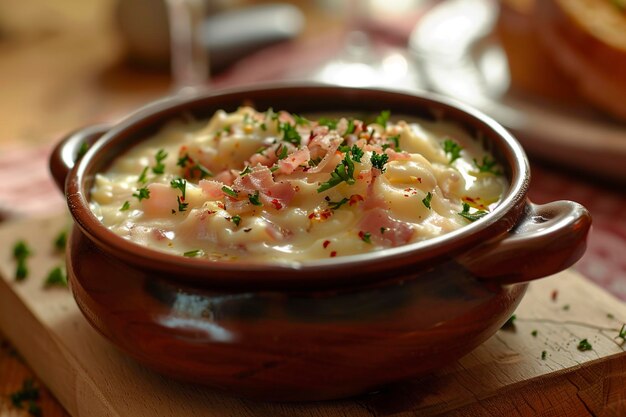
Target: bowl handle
{"x":547,"y":239}
{"x":70,"y":149}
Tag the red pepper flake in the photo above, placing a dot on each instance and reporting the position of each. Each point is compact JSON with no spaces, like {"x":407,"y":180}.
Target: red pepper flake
{"x":554,"y":295}
{"x":326,"y":243}
{"x":365,"y":236}
{"x":355,"y":198}
{"x":277,"y":204}
{"x":333,"y":254}
{"x":221,"y":205}
{"x":321,"y":215}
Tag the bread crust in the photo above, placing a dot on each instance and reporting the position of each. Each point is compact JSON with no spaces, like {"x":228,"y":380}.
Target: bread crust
{"x":588,"y":41}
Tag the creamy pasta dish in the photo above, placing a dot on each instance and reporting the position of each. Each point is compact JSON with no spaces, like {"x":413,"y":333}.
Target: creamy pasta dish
{"x":274,"y":186}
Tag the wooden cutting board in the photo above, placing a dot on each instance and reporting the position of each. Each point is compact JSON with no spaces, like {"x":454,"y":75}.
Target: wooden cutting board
{"x":506,"y":376}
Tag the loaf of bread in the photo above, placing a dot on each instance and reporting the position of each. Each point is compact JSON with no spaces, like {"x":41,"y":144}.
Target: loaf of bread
{"x":531,"y":66}
{"x":588,"y":39}
{"x":567,"y":48}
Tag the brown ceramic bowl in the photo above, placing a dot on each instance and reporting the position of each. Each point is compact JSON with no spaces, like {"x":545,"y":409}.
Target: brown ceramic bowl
{"x":329,"y":328}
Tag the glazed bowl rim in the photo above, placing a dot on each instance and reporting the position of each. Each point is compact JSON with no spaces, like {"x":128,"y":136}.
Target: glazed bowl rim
{"x":319,"y":271}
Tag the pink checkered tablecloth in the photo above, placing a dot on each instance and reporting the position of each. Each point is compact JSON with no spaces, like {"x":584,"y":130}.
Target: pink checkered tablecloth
{"x":28,"y":190}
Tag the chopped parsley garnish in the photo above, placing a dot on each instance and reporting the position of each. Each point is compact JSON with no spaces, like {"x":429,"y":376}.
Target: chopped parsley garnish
{"x":183,"y":160}
{"x":263,"y":126}
{"x":452,"y":149}
{"x":142,"y":177}
{"x":472,"y":216}
{"x":29,"y":392}
{"x":383,"y":118}
{"x":236,"y":219}
{"x":82,"y":150}
{"x":230,"y":191}
{"x":330,"y":123}
{"x":159,"y":167}
{"x":21,"y":271}
{"x":181,"y":205}
{"x":379,"y":160}
{"x":245,"y":171}
{"x":344,"y":172}
{"x":193,"y":253}
{"x":566,"y":307}
{"x":56,"y":277}
{"x":534,"y":333}
{"x":179,"y":184}
{"x":334,"y":205}
{"x":396,"y":141}
{"x":315,"y":162}
{"x":366,"y":237}
{"x":290,"y":134}
{"x":300,"y":121}
{"x":357,"y":153}
{"x":142,"y":193}
{"x":21,"y":252}
{"x":281,"y":152}
{"x":60,"y":241}
{"x":274,"y":168}
{"x":125,"y":206}
{"x":510,"y":322}
{"x":351,"y":127}
{"x":489,"y":166}
{"x":34,"y":409}
{"x":254,"y":198}
{"x":584,"y":345}
{"x":426,"y":200}
{"x":622,"y":332}
{"x":543,"y":355}
{"x":204,"y":172}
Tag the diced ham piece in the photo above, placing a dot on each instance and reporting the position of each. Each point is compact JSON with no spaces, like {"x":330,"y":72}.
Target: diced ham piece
{"x":372,"y":199}
{"x":328,"y":146}
{"x":162,"y":200}
{"x":212,"y":189}
{"x":294,"y":160}
{"x":226,"y":177}
{"x":397,"y":156}
{"x":384,"y":229}
{"x":261,"y":180}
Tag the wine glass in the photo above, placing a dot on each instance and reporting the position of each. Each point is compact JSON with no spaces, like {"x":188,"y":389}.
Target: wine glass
{"x":189,"y":56}
{"x":360,"y":62}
